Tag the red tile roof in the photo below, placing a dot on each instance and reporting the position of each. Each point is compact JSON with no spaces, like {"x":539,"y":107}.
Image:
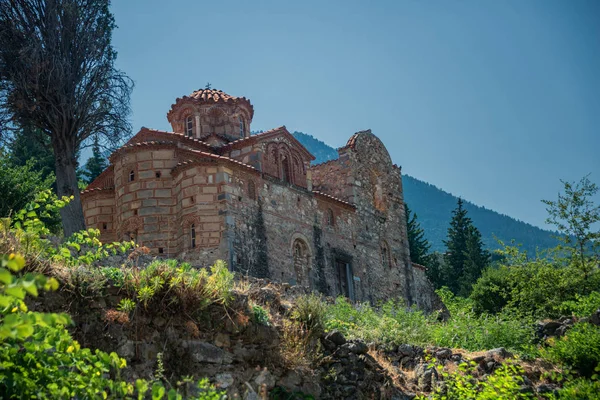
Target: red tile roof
{"x":330,"y":197}
{"x":213,"y":96}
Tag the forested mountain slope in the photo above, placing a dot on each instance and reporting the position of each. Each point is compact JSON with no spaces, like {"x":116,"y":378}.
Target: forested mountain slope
{"x":434,"y":206}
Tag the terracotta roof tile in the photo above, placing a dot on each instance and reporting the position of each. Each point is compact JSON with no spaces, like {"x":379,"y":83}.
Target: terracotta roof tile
{"x":213,"y":96}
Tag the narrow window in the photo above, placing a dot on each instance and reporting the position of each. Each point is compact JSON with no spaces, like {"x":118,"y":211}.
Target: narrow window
{"x":251,"y":190}
{"x":104,"y":226}
{"x":385,"y":255}
{"x":157,"y":174}
{"x":160,"y":250}
{"x":330,"y":220}
{"x":131,"y":176}
{"x":241,"y":126}
{"x":193,"y":235}
{"x":189,"y":126}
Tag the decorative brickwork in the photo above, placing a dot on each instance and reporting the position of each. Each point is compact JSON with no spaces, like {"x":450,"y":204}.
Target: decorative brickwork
{"x":211,"y":191}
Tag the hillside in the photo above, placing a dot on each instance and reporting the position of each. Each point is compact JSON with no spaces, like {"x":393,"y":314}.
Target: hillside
{"x":434,"y":206}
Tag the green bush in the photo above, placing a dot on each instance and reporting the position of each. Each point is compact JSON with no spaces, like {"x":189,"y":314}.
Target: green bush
{"x":578,"y":349}
{"x":310,"y":311}
{"x":579,"y":389}
{"x":260,"y":315}
{"x":503,"y":383}
{"x":582,"y":306}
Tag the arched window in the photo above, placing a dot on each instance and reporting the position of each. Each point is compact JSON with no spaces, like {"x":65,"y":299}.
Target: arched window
{"x":252,"y":190}
{"x":131,"y":176}
{"x":385,"y":255}
{"x":193,"y":236}
{"x":330,"y":220}
{"x":189,"y":126}
{"x":301,"y":260}
{"x":241,"y":126}
{"x":285,"y":170}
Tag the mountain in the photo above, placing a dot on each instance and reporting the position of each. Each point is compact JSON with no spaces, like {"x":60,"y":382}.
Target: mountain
{"x":434,"y":206}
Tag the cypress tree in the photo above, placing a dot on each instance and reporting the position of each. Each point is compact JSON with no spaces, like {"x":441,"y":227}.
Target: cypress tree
{"x":476,"y":259}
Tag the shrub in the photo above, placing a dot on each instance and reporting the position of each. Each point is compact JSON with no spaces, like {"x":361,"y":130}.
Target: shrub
{"x":579,"y":389}
{"x":579,"y":348}
{"x":260,"y":315}
{"x":310,"y":311}
{"x":582,"y":306}
{"x":503,"y":383}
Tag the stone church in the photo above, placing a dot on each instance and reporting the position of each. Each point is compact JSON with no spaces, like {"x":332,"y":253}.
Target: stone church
{"x":210,"y":190}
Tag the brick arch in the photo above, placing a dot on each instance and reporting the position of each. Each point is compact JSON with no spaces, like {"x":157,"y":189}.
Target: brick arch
{"x":188,"y":220}
{"x":302,"y":257}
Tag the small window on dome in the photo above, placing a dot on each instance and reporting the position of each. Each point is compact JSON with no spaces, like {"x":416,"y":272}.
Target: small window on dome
{"x":193,"y":235}
{"x":241,"y":126}
{"x":189,"y":126}
{"x":131,"y":176}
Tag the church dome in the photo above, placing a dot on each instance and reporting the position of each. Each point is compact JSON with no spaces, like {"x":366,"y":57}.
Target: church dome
{"x":208,"y":112}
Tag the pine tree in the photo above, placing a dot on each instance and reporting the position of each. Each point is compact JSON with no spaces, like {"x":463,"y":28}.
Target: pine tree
{"x":465,"y":257}
{"x":476,"y":259}
{"x":95,"y":164}
{"x":456,"y":245}
{"x":418,"y":245}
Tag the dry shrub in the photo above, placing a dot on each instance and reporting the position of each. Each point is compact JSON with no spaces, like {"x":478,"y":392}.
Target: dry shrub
{"x":297,"y":346}
{"x":192,"y":329}
{"x":113,"y":316}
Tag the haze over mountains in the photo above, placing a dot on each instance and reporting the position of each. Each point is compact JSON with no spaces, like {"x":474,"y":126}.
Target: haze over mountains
{"x":434,"y":206}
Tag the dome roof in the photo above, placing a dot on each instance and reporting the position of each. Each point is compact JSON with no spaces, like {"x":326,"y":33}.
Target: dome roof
{"x":212,"y":96}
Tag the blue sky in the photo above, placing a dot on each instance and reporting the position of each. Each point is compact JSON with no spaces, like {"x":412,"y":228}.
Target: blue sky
{"x":494,"y":101}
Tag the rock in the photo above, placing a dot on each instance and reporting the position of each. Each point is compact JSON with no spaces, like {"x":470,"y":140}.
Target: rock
{"x":222,"y":340}
{"x":457,"y":358}
{"x":159,"y":322}
{"x":265,"y":378}
{"x":406,"y":350}
{"x":127,"y":349}
{"x":426,"y":377}
{"x":478,"y":359}
{"x":500,"y":352}
{"x":223,"y":381}
{"x":336,"y":337}
{"x":443,"y":354}
{"x":291,"y":380}
{"x":358,"y":347}
{"x":595,"y":317}
{"x":546,"y":388}
{"x":203,"y":352}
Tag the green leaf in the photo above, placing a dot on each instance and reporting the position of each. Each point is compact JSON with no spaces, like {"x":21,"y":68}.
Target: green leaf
{"x":5,"y":276}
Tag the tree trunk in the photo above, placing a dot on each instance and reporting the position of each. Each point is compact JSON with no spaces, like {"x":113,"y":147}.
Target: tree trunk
{"x":66,"y":184}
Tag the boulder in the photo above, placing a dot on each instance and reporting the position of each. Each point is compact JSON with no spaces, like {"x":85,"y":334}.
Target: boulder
{"x":203,"y":352}
{"x":336,"y":338}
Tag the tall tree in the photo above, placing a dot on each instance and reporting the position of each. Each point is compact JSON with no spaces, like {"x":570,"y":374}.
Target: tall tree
{"x":418,"y":245}
{"x":576,"y":217}
{"x":465,"y":257}
{"x":456,"y":245}
{"x":476,"y":259}
{"x":95,"y":164}
{"x":57,"y":74}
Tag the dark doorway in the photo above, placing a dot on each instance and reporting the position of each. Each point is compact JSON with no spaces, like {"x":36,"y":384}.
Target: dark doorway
{"x":345,"y":278}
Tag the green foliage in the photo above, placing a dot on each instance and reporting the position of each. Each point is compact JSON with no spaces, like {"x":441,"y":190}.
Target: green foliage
{"x":418,"y":245}
{"x":540,"y":287}
{"x":126,"y":305}
{"x":310,"y":311}
{"x":174,"y":285}
{"x":36,"y":347}
{"x":19,"y":185}
{"x":580,"y":389}
{"x":30,"y":146}
{"x":465,"y":329}
{"x":575,"y":216}
{"x":581,"y":306}
{"x":578,"y":349}
{"x":114,"y":276}
{"x":260,"y":315}
{"x":503,"y":383}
